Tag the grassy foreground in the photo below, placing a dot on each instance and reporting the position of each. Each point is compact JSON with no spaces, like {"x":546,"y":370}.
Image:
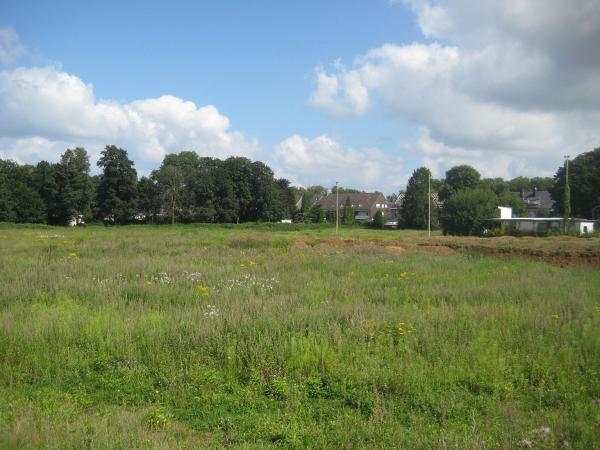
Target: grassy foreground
{"x":206,"y":337}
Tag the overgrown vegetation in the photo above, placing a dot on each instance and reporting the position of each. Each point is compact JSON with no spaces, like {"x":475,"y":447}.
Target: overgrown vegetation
{"x":211,"y":336}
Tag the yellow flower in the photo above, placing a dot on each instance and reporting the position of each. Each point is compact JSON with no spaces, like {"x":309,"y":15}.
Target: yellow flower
{"x":149,"y":283}
{"x":556,"y":317}
{"x":72,"y":255}
{"x":251,"y":264}
{"x":202,"y":290}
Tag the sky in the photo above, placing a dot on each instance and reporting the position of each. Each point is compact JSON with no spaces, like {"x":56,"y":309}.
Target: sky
{"x":358,"y":91}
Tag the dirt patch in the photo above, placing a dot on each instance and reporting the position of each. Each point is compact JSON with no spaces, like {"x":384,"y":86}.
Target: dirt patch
{"x":395,"y":248}
{"x":439,"y":249}
{"x":561,"y":257}
{"x":560,"y":252}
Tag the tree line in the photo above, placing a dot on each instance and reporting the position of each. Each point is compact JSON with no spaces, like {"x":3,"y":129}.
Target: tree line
{"x":469,"y":201}
{"x":185,"y":188}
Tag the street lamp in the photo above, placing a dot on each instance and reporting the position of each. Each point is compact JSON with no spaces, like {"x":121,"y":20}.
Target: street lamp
{"x":429,"y":203}
{"x":337,"y":208}
{"x":567,"y":195}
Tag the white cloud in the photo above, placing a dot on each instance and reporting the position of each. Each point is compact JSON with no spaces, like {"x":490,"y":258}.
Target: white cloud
{"x":323,"y":160}
{"x":510,"y":86}
{"x":43,"y":111}
{"x":11,"y":48}
{"x":341,"y":95}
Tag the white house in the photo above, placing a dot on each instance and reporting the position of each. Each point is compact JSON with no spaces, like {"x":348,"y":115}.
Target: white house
{"x":540,"y":225}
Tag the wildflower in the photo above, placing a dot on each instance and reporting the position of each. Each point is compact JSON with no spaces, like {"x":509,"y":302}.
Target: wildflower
{"x":352,"y":274}
{"x":556,"y":317}
{"x":251,"y":264}
{"x":149,"y":283}
{"x":402,"y":275}
{"x":72,"y":255}
{"x":401,"y":328}
{"x":211,"y":311}
{"x":202,"y":290}
{"x":162,"y":278}
{"x":371,"y":328}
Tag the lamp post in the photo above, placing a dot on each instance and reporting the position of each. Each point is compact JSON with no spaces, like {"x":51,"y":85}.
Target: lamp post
{"x":429,"y":203}
{"x":567,"y":195}
{"x":337,"y":208}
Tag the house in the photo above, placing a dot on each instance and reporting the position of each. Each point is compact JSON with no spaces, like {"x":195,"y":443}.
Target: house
{"x":542,"y":225}
{"x":365,"y":204}
{"x":395,"y":208}
{"x":538,"y":203}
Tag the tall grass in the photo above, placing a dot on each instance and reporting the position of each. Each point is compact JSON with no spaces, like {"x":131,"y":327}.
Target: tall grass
{"x":206,"y":336}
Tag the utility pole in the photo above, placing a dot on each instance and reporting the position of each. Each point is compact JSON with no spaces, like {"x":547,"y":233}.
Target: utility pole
{"x":428,"y":203}
{"x":567,"y":196}
{"x":337,"y":208}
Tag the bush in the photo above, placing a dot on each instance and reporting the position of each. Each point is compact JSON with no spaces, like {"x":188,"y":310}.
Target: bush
{"x":466,"y":212}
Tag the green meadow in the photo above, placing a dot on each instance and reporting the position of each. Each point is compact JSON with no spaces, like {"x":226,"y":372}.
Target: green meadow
{"x":290,"y":337}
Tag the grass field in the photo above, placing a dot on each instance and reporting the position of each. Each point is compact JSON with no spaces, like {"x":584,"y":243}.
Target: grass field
{"x":256,"y":337}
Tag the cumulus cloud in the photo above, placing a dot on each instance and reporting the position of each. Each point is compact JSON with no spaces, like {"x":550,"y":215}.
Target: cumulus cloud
{"x":323,"y":160}
{"x":508,"y":86}
{"x":11,"y":48}
{"x":44,"y":110}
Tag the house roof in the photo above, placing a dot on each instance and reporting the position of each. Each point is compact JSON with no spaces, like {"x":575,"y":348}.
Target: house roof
{"x":538,"y":199}
{"x":362,"y":201}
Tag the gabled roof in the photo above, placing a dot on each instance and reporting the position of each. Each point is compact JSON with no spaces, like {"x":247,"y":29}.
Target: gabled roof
{"x":538,"y":199}
{"x":362,"y":201}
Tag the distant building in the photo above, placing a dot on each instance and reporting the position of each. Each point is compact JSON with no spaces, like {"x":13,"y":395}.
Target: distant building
{"x":538,"y":203}
{"x":542,"y":225}
{"x":365,"y":204}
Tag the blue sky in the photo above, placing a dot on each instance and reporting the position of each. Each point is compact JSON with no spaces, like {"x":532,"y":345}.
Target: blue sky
{"x":360,"y":91}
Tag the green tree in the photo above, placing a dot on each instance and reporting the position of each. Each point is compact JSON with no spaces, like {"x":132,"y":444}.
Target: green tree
{"x":348,"y":213}
{"x":7,"y":207}
{"x":584,"y":185}
{"x":457,"y":178}
{"x":317,"y":214}
{"x":75,"y":190}
{"x":117,"y":189}
{"x":19,"y":199}
{"x":45,"y":181}
{"x":171,"y":186}
{"x":467,"y":210}
{"x":378,"y":221}
{"x":148,"y":197}
{"x":415,"y":212}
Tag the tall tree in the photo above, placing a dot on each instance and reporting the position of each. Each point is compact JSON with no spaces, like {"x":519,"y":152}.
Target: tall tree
{"x":45,"y":181}
{"x":584,"y":185}
{"x":348,"y":214}
{"x":415,"y":213}
{"x":148,"y":198}
{"x":117,"y":189}
{"x":172,"y":187}
{"x":74,"y":185}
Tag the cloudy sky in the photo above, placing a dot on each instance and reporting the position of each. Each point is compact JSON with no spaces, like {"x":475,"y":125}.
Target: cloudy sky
{"x":356,"y":91}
